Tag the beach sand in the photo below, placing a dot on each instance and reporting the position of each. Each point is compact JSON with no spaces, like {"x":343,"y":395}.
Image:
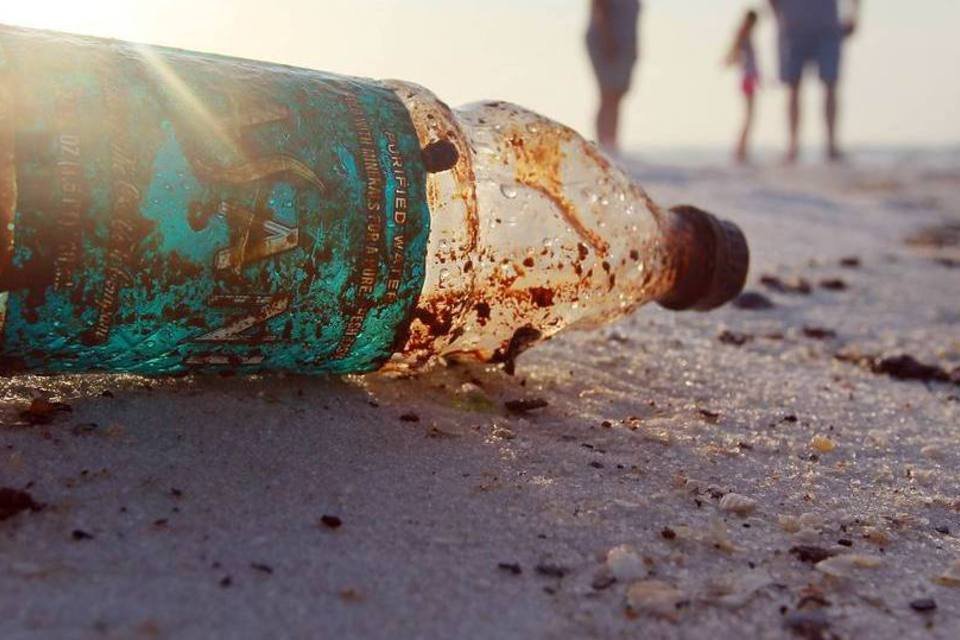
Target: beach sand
{"x":762,"y":487}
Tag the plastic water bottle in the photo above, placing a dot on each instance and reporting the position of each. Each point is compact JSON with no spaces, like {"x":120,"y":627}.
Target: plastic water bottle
{"x":164,"y":212}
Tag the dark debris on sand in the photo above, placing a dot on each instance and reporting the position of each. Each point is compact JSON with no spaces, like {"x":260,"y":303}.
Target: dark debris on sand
{"x":819,"y":333}
{"x":833,"y":284}
{"x":525,"y":405}
{"x":794,"y":286}
{"x":42,"y":411}
{"x":13,"y":501}
{"x":752,"y":301}
{"x":734,"y":338}
{"x":937,"y":236}
{"x":810,"y":553}
{"x":901,"y":367}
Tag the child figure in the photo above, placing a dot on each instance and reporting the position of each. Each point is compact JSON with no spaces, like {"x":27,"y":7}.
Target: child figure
{"x":743,"y":54}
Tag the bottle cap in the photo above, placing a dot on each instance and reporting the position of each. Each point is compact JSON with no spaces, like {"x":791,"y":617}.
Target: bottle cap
{"x":713,"y":260}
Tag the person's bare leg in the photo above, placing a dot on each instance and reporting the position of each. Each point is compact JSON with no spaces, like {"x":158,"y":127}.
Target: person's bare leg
{"x":608,"y":119}
{"x":742,"y":154}
{"x":830,"y":113}
{"x":793,"y":150}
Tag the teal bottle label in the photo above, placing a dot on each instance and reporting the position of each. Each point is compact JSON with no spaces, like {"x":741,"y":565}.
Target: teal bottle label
{"x":174,"y":212}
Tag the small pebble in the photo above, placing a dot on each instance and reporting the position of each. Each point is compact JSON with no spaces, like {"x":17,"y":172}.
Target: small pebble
{"x":823,"y":444}
{"x":932,"y":452}
{"x":790,"y":524}
{"x":738,"y":504}
{"x":655,"y":597}
{"x":876,"y":536}
{"x":625,"y":563}
{"x":845,"y":565}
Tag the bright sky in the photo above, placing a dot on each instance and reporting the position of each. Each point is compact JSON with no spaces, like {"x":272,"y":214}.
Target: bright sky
{"x":901,"y":69}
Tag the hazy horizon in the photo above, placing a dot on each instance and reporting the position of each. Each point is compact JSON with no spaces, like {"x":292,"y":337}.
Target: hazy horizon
{"x":900,"y":86}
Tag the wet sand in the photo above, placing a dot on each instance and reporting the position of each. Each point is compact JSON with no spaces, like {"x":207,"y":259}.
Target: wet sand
{"x":757,"y":485}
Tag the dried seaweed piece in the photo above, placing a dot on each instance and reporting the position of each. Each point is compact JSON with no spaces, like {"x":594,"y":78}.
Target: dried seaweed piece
{"x":525,"y":405}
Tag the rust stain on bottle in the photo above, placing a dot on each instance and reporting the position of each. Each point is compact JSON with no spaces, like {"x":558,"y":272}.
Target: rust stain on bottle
{"x":538,"y":158}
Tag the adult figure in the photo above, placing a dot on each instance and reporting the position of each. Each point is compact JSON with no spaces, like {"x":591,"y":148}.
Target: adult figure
{"x":812,"y":32}
{"x":612,"y":43}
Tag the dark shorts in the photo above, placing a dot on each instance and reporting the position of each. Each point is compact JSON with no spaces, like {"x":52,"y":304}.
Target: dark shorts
{"x":800,"y":49}
{"x":613,"y":70}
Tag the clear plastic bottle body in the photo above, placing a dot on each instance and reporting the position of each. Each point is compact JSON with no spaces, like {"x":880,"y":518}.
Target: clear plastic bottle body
{"x":532,"y":231}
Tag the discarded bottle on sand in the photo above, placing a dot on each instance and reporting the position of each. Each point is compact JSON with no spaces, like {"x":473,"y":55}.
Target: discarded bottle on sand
{"x":166,"y":212}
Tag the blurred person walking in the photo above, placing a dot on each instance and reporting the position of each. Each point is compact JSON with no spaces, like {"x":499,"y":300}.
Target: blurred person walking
{"x":812,"y":32}
{"x":743,"y":54}
{"x":612,"y":43}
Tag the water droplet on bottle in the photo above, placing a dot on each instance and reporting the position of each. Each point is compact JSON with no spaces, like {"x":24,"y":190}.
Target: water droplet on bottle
{"x":444,"y":276}
{"x":509,"y":191}
{"x":532,"y":128}
{"x":604,"y":201}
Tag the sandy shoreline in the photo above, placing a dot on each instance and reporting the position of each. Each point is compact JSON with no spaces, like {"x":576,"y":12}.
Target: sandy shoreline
{"x":199,"y":501}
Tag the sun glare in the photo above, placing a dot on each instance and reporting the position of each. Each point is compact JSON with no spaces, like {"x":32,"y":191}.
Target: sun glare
{"x":104,"y":17}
